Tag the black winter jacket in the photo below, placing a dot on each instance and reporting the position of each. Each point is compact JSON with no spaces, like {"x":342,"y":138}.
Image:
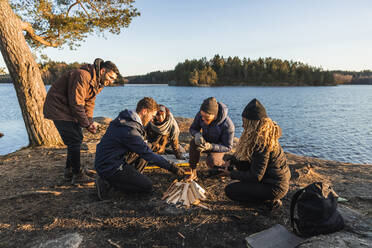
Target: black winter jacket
{"x":266,"y":167}
{"x":220,"y":133}
{"x":124,"y":135}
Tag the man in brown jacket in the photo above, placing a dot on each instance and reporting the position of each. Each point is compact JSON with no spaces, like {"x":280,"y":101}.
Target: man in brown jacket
{"x":70,"y":104}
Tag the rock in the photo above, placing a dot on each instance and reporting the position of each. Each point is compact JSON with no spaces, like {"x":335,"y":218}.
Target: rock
{"x":71,"y":240}
{"x":1,"y":135}
{"x":102,"y":120}
{"x":89,"y":146}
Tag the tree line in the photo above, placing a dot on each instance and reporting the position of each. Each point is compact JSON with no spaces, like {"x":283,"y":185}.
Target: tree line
{"x":220,"y":71}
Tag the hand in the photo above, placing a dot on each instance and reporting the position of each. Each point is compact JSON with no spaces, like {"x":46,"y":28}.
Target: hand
{"x":204,"y":147}
{"x":179,"y":172}
{"x":178,"y":154}
{"x":224,"y":172}
{"x":191,"y":175}
{"x":92,"y":128}
{"x":199,"y":140}
{"x":226,"y":164}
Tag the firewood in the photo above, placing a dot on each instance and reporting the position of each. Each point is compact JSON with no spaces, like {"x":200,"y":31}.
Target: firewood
{"x":190,"y":196}
{"x":195,"y":191}
{"x":184,"y":193}
{"x":200,"y":190}
{"x":176,"y":195}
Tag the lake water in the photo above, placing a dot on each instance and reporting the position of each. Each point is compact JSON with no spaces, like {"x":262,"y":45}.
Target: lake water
{"x":327,"y":122}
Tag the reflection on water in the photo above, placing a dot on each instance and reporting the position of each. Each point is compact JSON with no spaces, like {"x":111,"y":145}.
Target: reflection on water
{"x":327,"y":122}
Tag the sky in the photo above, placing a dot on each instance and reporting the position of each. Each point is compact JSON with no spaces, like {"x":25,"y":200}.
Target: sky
{"x":334,"y":35}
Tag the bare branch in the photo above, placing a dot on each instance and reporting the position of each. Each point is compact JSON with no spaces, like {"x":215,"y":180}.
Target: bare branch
{"x":81,"y":4}
{"x":30,"y":31}
{"x":69,"y":8}
{"x":94,"y":7}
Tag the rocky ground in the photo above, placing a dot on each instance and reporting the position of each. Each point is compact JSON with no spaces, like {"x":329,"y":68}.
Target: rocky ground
{"x":39,"y":209}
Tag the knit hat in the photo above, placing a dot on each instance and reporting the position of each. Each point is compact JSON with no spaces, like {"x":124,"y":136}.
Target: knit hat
{"x":210,"y":106}
{"x":254,"y":110}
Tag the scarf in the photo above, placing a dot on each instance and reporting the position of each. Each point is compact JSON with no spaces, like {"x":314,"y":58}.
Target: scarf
{"x":169,"y":125}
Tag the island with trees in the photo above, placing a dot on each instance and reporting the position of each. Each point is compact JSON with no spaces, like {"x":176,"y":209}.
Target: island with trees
{"x":232,"y":71}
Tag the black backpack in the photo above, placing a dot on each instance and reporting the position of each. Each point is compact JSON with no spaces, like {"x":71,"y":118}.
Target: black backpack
{"x":316,"y":210}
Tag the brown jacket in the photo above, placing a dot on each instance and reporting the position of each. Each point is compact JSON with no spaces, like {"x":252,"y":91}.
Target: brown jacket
{"x":72,"y":96}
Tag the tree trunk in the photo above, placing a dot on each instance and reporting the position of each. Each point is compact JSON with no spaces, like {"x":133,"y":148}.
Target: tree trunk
{"x":26,"y":77}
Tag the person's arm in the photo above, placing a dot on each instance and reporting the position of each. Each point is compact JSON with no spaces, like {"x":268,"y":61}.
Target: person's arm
{"x":256,"y":170}
{"x":227,"y":139}
{"x":195,"y":126}
{"x":89,"y":108}
{"x":77,"y":94}
{"x":135,"y":143}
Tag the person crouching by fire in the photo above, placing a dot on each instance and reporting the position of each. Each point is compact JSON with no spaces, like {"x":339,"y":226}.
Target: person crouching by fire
{"x":259,"y":162}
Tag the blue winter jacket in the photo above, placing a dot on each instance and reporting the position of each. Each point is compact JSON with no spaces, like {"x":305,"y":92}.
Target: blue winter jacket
{"x":124,"y":134}
{"x":220,"y":133}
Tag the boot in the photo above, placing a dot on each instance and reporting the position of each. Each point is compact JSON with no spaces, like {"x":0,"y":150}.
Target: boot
{"x":81,"y":177}
{"x":273,"y":204}
{"x":102,"y":188}
{"x":68,"y":174}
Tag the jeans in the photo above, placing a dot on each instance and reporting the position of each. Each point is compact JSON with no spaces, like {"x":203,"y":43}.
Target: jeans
{"x":255,"y":191}
{"x":213,"y":158}
{"x":72,"y":136}
{"x":130,"y":180}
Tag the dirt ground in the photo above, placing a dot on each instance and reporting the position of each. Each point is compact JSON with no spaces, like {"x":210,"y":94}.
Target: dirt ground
{"x":37,"y":205}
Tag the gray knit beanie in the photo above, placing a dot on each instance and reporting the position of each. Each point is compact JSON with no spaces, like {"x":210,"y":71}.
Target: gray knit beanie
{"x":210,"y":106}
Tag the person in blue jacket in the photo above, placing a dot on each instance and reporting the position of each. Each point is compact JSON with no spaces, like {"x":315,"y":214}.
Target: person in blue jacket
{"x":123,"y":138}
{"x":213,"y":133}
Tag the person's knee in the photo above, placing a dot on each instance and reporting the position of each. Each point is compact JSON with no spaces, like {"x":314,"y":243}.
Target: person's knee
{"x":215,"y":159}
{"x":146,"y":186}
{"x":228,"y":191}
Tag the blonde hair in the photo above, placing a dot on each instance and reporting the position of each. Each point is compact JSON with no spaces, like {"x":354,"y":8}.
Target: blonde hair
{"x":257,"y":135}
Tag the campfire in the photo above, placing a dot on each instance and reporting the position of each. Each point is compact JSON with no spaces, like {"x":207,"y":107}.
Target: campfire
{"x":185,"y":194}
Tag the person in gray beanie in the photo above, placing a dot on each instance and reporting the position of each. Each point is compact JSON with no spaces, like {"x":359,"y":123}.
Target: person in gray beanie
{"x":213,"y":133}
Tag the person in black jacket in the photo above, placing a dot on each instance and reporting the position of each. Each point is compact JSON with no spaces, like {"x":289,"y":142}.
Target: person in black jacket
{"x":123,"y":138}
{"x":259,"y":162}
{"x":213,"y":133}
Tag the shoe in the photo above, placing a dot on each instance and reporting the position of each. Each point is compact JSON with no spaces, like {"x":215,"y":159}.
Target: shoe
{"x":81,"y":177}
{"x":68,"y":174}
{"x":102,"y":188}
{"x":273,"y":204}
{"x":90,"y":173}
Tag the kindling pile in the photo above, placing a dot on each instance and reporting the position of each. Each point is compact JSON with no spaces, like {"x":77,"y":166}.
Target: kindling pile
{"x":185,"y":193}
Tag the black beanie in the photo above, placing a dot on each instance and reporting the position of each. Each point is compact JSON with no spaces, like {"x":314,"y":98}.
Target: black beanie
{"x":210,"y":106}
{"x":254,"y":110}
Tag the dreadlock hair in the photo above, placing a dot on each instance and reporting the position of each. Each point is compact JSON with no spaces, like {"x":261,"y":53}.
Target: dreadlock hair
{"x":257,"y":135}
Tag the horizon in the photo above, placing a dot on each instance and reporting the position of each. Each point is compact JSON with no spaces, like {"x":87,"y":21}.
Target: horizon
{"x":332,"y":35}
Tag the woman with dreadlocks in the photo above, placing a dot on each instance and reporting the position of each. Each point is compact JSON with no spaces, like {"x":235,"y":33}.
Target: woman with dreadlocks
{"x":259,"y":162}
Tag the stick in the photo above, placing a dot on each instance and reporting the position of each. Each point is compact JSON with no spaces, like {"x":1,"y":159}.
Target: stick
{"x":113,"y":243}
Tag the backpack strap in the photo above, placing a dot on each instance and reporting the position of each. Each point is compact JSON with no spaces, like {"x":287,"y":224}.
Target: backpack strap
{"x":293,"y":205}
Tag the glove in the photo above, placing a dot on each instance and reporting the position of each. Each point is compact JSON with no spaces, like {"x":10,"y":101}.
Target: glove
{"x":199,"y":140}
{"x":204,"y":147}
{"x":178,"y":154}
{"x":179,"y":172}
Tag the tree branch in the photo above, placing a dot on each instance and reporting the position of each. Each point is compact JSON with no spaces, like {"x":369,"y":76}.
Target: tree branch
{"x":30,"y":31}
{"x":69,"y":8}
{"x":81,"y":4}
{"x":94,"y":7}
